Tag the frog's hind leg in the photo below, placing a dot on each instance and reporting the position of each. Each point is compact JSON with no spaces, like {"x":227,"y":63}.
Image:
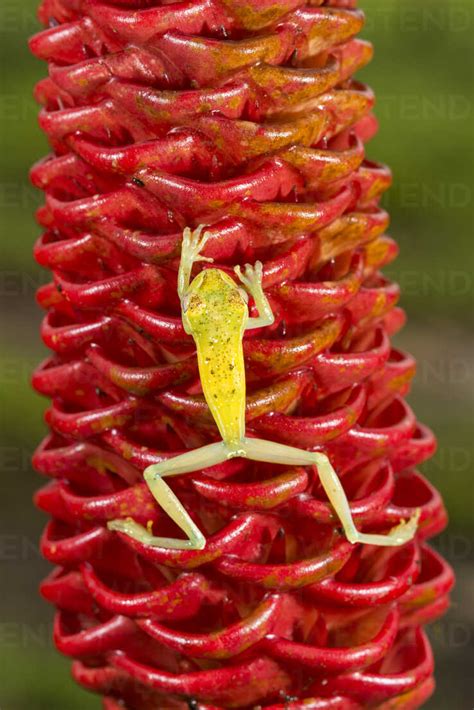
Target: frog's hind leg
{"x":271,"y":452}
{"x":185,"y":463}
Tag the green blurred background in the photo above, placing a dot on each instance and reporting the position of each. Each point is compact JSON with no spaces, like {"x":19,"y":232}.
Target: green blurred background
{"x":422,"y":75}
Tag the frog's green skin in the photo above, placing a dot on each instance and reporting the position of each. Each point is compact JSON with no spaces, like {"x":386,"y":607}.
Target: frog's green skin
{"x":216,"y":316}
{"x":215,"y":313}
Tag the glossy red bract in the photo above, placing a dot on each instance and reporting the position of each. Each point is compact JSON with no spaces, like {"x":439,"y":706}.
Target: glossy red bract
{"x":240,"y":114}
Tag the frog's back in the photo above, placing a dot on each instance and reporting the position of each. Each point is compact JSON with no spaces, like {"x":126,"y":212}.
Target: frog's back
{"x":217,"y":316}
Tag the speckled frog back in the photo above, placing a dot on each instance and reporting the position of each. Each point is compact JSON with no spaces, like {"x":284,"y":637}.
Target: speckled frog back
{"x":216,"y":315}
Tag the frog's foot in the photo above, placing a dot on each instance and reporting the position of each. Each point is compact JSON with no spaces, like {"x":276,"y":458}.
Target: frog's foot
{"x":193,"y":244}
{"x":251,"y":278}
{"x":399,"y":535}
{"x":142,"y":534}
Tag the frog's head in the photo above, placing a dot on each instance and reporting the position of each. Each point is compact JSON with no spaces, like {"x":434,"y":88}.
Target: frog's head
{"x":213,"y":295}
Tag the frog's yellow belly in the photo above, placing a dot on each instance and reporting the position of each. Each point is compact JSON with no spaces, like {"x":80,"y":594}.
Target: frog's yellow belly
{"x":222,"y":371}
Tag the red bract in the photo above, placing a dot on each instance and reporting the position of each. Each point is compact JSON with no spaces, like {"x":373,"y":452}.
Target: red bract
{"x":240,"y":114}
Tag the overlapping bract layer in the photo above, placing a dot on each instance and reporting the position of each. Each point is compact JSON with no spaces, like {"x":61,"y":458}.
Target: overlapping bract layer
{"x":240,"y":114}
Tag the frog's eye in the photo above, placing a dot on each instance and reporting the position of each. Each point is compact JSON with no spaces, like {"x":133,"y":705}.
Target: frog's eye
{"x":185,"y":302}
{"x":191,"y":302}
{"x":244,"y":295}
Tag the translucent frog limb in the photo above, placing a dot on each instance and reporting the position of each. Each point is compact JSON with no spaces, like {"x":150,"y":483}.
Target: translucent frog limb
{"x":271,"y":452}
{"x":193,"y":244}
{"x":256,"y":450}
{"x":190,"y":461}
{"x":252,"y":280}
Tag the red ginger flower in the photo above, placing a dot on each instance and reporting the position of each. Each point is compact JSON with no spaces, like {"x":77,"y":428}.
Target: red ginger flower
{"x":240,"y":114}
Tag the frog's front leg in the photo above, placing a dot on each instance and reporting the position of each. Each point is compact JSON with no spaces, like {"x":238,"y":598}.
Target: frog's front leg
{"x":192,"y":245}
{"x":252,"y":280}
{"x":195,"y":460}
{"x":271,"y":452}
